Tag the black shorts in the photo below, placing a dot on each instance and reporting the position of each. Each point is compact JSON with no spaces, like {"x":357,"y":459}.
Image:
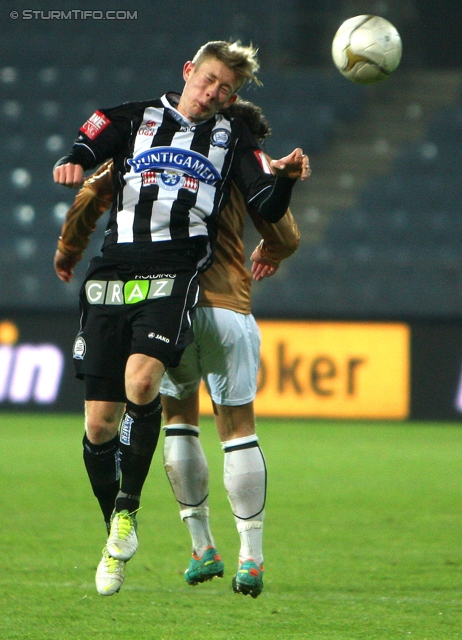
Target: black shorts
{"x":128,"y":309}
{"x":104,"y":389}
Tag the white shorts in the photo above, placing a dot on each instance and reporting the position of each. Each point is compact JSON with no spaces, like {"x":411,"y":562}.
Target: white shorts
{"x":225,"y":354}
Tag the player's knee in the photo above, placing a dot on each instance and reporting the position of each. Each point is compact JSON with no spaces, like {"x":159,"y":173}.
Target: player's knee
{"x":141,"y":391}
{"x":101,"y":427}
{"x":142,"y":378}
{"x":99,"y":433}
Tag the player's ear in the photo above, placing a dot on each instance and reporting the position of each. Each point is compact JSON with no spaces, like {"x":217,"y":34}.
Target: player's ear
{"x":231,"y":100}
{"x":187,"y":70}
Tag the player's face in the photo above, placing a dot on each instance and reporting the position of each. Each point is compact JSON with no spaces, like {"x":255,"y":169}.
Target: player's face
{"x":208,"y":88}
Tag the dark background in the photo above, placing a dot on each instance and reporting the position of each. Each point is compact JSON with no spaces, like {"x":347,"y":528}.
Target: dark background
{"x":380,"y":217}
{"x":387,"y":245}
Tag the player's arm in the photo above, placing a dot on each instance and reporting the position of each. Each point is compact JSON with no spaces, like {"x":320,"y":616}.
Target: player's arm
{"x":267,"y":188}
{"x":93,"y":199}
{"x":100,"y":138}
{"x":273,"y":205}
{"x":279,"y":241}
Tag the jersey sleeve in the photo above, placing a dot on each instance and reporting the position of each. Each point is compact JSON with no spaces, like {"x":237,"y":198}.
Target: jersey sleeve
{"x":268,"y":194}
{"x":279,"y":240}
{"x":93,"y":199}
{"x":103,"y":136}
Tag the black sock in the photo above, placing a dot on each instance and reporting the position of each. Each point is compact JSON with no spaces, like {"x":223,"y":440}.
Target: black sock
{"x":103,"y":468}
{"x":127,"y":502}
{"x":139,"y":434}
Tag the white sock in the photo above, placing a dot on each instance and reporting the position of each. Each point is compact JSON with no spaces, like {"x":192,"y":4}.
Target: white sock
{"x":187,"y":471}
{"x":251,"y":536}
{"x":197,"y":521}
{"x":245,"y":483}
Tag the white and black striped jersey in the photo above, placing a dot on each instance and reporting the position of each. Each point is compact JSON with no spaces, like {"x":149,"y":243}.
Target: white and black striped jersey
{"x":172,"y":176}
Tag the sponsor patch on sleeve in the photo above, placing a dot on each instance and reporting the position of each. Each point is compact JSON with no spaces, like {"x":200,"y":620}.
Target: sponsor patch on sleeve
{"x":262,"y":159}
{"x":95,"y":124}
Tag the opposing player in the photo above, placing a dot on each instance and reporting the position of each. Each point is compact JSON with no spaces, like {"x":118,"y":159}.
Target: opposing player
{"x":225,"y":354}
{"x":175,"y":159}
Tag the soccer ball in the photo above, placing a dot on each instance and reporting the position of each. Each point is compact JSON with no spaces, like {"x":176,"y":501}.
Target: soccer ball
{"x":366,"y":49}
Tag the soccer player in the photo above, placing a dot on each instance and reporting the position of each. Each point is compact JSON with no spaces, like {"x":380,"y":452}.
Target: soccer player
{"x":225,"y":333}
{"x":175,"y":159}
{"x":225,"y":354}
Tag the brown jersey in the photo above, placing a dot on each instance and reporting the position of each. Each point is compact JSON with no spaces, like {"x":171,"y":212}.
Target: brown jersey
{"x":227,"y":283}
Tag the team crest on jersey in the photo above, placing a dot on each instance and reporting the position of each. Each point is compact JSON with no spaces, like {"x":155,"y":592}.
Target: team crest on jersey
{"x":80,"y":348}
{"x":220,"y":138}
{"x":170,"y":180}
{"x":176,"y":160}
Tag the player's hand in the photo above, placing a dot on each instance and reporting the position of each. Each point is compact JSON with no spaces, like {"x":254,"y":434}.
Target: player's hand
{"x":70,"y":175}
{"x":295,"y":165}
{"x":64,"y":265}
{"x":262,"y":269}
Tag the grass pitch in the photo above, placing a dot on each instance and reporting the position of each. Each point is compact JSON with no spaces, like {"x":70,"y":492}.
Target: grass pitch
{"x":362,"y":539}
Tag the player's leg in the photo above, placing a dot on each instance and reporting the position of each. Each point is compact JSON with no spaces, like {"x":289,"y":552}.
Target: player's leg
{"x":104,"y":407}
{"x":245,"y":483}
{"x":101,"y":458}
{"x":139,"y":434}
{"x":232,"y":367}
{"x":118,"y":339}
{"x":107,"y":459}
{"x":159,"y":332}
{"x":140,"y":427}
{"x":185,"y":462}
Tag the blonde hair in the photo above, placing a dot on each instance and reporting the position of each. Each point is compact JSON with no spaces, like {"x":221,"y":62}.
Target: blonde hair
{"x":240,"y":59}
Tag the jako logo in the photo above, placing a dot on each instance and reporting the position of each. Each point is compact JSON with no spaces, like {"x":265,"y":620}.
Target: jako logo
{"x":30,"y":373}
